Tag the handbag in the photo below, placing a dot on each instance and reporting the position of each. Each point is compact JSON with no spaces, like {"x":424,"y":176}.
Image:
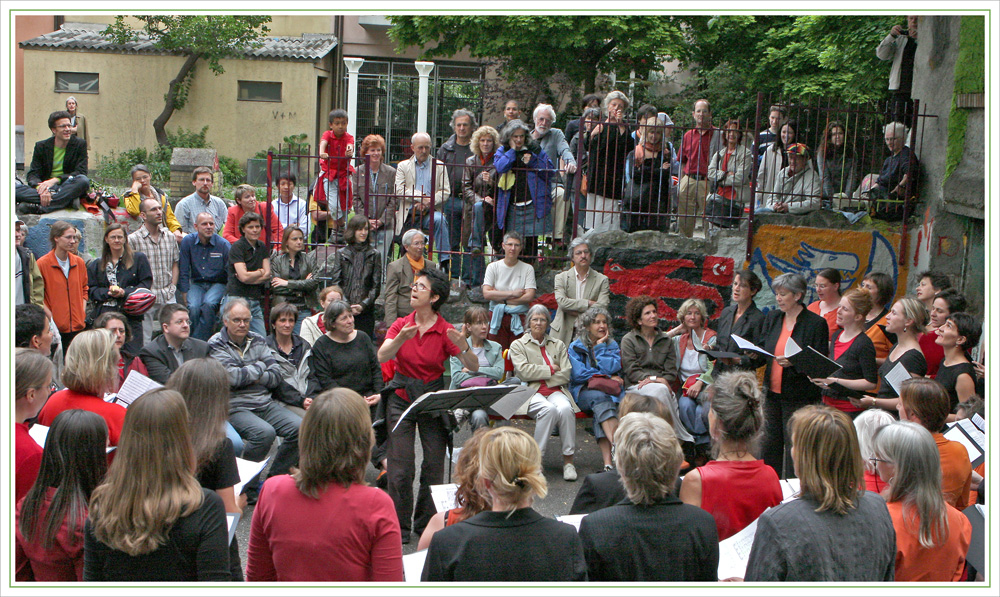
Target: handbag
{"x":478,"y":381}
{"x":724,"y":213}
{"x":603,"y":383}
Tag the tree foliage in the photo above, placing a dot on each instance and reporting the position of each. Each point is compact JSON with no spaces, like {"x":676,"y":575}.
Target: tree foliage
{"x":540,"y":47}
{"x":211,"y":38}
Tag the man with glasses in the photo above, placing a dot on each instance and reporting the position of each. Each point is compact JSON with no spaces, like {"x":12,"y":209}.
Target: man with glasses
{"x":58,"y":172}
{"x":167,"y":352}
{"x":509,"y":285}
{"x":414,"y":186}
{"x":253,"y":375}
{"x":66,"y":284}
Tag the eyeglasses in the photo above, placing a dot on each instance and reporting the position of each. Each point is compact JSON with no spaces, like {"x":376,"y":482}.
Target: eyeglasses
{"x":874,"y":459}
{"x":420,"y":287}
{"x":240,"y":321}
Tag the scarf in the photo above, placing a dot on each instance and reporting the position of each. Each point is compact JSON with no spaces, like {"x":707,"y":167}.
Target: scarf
{"x":651,"y":148}
{"x":416,"y":265}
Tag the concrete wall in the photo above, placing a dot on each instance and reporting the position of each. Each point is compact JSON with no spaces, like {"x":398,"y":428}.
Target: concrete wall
{"x":131,"y":95}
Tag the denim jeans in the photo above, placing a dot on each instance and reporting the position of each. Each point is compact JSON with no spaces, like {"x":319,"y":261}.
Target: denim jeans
{"x":258,"y":428}
{"x":442,"y":236}
{"x":453,"y":213}
{"x":234,"y":437}
{"x":203,"y":301}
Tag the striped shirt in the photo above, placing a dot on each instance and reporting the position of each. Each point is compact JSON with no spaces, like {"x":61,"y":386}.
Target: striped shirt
{"x":163,"y":255}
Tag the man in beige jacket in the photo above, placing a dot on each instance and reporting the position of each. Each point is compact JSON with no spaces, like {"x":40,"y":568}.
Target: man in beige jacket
{"x":577,"y":289}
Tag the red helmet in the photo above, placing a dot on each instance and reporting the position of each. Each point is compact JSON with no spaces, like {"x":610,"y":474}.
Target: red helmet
{"x":139,"y":301}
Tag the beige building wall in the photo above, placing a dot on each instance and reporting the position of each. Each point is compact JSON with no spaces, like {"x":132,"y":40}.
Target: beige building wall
{"x":291,"y":25}
{"x":131,"y":94}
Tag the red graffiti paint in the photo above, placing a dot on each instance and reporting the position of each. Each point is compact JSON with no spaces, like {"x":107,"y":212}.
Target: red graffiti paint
{"x":654,"y":280}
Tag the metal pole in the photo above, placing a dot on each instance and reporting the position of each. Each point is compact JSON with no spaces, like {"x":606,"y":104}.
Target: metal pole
{"x":909,"y":184}
{"x":353,"y":66}
{"x":424,"y":70}
{"x":753,"y":176}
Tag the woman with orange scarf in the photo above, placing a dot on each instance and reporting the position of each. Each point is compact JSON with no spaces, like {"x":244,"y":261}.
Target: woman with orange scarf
{"x":647,"y":178}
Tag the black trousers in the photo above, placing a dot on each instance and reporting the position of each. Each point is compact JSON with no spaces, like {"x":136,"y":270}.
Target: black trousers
{"x":402,"y":465}
{"x":777,"y":441}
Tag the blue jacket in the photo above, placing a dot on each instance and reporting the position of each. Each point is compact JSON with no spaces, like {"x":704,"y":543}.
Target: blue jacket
{"x":540,"y":173}
{"x":609,"y":362}
{"x":202,"y":264}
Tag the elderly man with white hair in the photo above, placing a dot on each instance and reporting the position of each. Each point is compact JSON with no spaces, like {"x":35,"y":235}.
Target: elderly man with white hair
{"x":414,"y":187}
{"x":897,"y":182}
{"x":554,"y":144}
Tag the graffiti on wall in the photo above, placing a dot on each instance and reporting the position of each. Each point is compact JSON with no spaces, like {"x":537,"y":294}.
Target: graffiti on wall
{"x":671,"y":278}
{"x":807,"y":251}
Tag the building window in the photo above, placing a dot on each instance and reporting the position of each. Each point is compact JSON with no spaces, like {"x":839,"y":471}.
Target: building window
{"x":259,"y":91}
{"x":77,"y":82}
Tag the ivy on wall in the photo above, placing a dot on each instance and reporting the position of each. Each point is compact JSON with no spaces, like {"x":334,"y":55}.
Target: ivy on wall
{"x":969,"y":78}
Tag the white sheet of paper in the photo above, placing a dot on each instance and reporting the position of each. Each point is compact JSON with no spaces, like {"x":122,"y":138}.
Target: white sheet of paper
{"x":747,"y":345}
{"x":792,"y":348}
{"x":955,"y":434}
{"x":38,"y":433}
{"x":573,"y":519}
{"x":413,"y":565}
{"x":248,"y":470}
{"x":444,"y":496}
{"x":508,"y":405}
{"x":974,"y":432}
{"x":897,"y":376}
{"x":233,"y":518}
{"x":789,"y":489}
{"x":135,"y":385}
{"x":979,"y":422}
{"x":734,"y":552}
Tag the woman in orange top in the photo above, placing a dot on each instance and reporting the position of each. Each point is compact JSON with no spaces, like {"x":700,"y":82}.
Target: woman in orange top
{"x":932,"y":537}
{"x":882,"y":290}
{"x":827,"y":287}
{"x":925,"y":402}
{"x":246,"y":202}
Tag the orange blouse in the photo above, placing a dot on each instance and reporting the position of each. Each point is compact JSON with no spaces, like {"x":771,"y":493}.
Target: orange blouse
{"x":915,"y":563}
{"x":830,"y":316}
{"x":956,"y":471}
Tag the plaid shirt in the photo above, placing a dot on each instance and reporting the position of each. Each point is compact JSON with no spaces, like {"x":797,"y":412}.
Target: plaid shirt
{"x":163,"y":256}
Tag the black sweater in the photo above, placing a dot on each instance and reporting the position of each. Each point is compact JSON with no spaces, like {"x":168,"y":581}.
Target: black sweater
{"x":810,"y":330}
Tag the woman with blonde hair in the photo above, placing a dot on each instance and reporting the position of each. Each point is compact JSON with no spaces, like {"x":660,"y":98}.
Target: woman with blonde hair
{"x":511,"y":542}
{"x":667,"y":540}
{"x":906,"y":320}
{"x":853,"y":350}
{"x":91,"y":371}
{"x":151,"y":520}
{"x":468,"y":499}
{"x":694,"y":370}
{"x":322,"y":523}
{"x":736,"y":487}
{"x":479,"y":190}
{"x":802,"y":540}
{"x":932,"y":537}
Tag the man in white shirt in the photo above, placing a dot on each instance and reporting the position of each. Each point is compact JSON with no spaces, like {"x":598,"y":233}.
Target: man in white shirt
{"x":509,"y":285}
{"x":291,"y":210}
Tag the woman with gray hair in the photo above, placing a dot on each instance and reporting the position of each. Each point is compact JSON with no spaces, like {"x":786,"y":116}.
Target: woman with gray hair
{"x":787,"y":388}
{"x":867,"y":424}
{"x":595,"y":382}
{"x":608,"y":143}
{"x":666,"y":539}
{"x":694,"y":371}
{"x":541,"y":361}
{"x":524,"y":201}
{"x":932,"y":537}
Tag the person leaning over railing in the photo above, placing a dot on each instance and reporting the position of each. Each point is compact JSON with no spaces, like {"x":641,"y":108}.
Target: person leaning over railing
{"x":797,"y":189}
{"x":729,"y":170}
{"x":646,"y":200}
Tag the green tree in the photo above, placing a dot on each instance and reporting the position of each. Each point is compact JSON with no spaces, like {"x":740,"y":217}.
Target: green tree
{"x":540,"y":47}
{"x":212,"y":38}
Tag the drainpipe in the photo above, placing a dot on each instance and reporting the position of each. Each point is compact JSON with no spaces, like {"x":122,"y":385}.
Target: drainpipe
{"x":353,"y":66}
{"x":424,"y":70}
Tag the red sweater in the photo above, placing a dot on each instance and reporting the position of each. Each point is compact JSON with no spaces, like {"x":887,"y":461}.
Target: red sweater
{"x":735,"y":493}
{"x":347,"y":535}
{"x":113,"y":414}
{"x":63,"y":561}
{"x":27,"y":460}
{"x":336,"y":169}
{"x":231,"y":231}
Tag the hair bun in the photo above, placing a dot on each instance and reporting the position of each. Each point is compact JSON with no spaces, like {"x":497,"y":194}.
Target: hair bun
{"x":519,"y":481}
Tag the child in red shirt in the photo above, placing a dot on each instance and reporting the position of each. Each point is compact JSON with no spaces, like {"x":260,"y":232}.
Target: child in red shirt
{"x":334,"y":190}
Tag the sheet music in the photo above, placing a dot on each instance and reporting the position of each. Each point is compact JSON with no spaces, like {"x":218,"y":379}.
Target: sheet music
{"x":897,"y":376}
{"x":734,"y":552}
{"x":573,"y":519}
{"x":38,"y":433}
{"x":747,"y":345}
{"x":444,"y":496}
{"x":508,"y":405}
{"x":955,"y":434}
{"x":790,"y":489}
{"x":233,"y":519}
{"x":979,"y":422}
{"x":792,"y":348}
{"x":413,"y":565}
{"x":135,"y":385}
{"x":248,"y":470}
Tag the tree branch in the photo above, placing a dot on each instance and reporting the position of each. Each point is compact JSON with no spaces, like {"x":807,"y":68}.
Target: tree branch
{"x":159,"y":125}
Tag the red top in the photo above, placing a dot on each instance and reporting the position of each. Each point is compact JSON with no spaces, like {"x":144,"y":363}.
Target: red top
{"x":113,"y":414}
{"x":845,"y":405}
{"x":830,"y":316}
{"x":231,"y":231}
{"x":874,"y":483}
{"x":335,"y":169}
{"x":347,"y":535}
{"x":423,"y":356}
{"x":63,"y":561}
{"x":779,"y":351}
{"x":27,"y":460}
{"x":735,"y":493}
{"x":914,"y":563}
{"x":696,"y":150}
{"x":933,"y":352}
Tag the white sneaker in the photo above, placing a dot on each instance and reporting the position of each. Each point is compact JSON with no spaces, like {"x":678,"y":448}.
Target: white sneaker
{"x":569,"y":472}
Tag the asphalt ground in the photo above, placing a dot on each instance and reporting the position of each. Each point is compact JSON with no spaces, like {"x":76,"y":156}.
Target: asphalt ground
{"x":560,"y":495}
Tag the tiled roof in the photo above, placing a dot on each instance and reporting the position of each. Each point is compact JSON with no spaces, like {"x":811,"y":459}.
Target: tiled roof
{"x":87,"y":36}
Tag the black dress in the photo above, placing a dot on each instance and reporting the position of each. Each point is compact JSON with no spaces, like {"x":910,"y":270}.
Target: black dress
{"x":913,"y":361}
{"x":646,"y":195}
{"x":948,"y":376}
{"x":747,"y":327}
